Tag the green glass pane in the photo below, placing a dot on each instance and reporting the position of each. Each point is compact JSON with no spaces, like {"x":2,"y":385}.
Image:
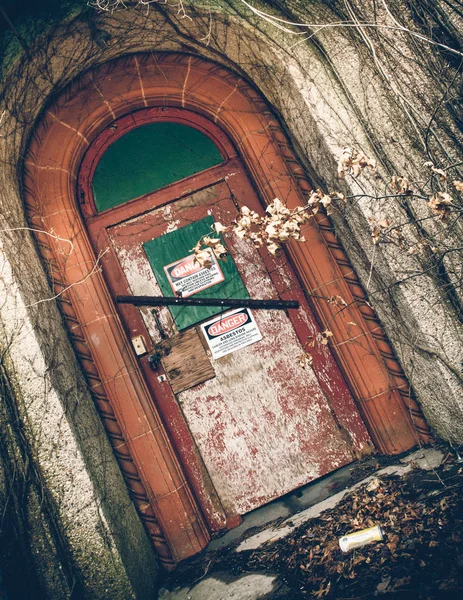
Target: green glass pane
{"x":148,"y":158}
{"x":176,"y":245}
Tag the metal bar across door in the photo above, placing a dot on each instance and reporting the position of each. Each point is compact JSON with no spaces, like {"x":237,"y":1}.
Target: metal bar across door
{"x":226,"y":303}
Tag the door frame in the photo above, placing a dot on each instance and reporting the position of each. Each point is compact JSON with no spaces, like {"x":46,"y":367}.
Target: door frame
{"x":161,"y":492}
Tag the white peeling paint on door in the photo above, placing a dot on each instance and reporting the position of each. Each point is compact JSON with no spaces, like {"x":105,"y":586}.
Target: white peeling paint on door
{"x":263,"y":425}
{"x":142,"y":282}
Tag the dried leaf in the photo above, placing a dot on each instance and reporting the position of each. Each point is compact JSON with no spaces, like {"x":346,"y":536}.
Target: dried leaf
{"x":203,"y":257}
{"x":218,"y":227}
{"x":325,"y":200}
{"x":373,"y":485}
{"x":337,"y":301}
{"x":271,"y":230}
{"x":382,"y":587}
{"x":322,"y":591}
{"x":398,"y":583}
{"x":338,"y":196}
{"x":442,"y":174}
{"x":352,"y":162}
{"x":392,"y":543}
{"x":211,"y":242}
{"x":240,"y":232}
{"x":273,"y":248}
{"x":220,"y":251}
{"x":401,"y":185}
{"x":344,"y":162}
{"x":305,"y":360}
{"x":440,"y":205}
{"x":326,"y":335}
{"x":439,"y":172}
{"x":310,"y":343}
{"x":244,"y":221}
{"x":383,"y":223}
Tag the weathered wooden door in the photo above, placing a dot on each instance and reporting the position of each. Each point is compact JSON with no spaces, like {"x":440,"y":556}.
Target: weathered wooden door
{"x":262,"y":423}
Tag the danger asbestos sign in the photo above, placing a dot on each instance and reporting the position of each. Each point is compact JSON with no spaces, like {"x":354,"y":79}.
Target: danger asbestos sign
{"x":187,"y":277}
{"x":232,"y":331}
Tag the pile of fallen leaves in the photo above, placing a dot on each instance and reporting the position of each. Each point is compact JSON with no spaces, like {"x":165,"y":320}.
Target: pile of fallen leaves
{"x":421,"y":555}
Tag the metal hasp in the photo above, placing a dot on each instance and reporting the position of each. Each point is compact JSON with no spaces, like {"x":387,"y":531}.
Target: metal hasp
{"x":225,"y":302}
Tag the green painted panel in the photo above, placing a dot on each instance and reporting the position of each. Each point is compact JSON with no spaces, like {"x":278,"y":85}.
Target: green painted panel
{"x":176,"y":245}
{"x":148,"y":158}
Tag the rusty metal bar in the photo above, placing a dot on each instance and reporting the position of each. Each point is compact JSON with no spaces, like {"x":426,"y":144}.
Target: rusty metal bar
{"x":223,"y":302}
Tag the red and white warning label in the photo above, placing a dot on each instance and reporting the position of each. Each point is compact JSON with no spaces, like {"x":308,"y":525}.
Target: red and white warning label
{"x":230,"y":332}
{"x":187,"y":277}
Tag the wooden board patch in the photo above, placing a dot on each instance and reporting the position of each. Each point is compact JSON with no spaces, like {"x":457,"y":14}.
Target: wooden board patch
{"x":185,"y":361}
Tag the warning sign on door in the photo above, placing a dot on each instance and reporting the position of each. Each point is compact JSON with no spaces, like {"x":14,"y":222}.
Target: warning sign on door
{"x":230,"y":332}
{"x":187,"y":277}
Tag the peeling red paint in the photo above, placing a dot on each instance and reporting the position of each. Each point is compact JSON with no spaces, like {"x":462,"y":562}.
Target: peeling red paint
{"x":263,"y":425}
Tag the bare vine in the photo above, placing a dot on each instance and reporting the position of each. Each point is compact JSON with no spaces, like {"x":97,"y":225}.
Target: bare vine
{"x":409,"y":202}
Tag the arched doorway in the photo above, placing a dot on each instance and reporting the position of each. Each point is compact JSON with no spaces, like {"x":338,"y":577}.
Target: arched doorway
{"x":178,"y":488}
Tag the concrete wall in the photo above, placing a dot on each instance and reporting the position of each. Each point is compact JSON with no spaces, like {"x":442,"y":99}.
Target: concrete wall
{"x":343,"y":86}
{"x":81,"y":531}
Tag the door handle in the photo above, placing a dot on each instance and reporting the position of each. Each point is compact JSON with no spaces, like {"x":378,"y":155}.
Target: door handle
{"x":154,"y":360}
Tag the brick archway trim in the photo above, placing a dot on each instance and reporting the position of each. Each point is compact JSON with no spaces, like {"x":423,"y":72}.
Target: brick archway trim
{"x":160,"y":491}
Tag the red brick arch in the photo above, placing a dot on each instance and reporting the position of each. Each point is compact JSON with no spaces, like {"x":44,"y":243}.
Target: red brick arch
{"x":159,"y":487}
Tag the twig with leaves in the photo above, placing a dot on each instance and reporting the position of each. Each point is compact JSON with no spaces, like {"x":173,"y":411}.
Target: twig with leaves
{"x":280,"y":225}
